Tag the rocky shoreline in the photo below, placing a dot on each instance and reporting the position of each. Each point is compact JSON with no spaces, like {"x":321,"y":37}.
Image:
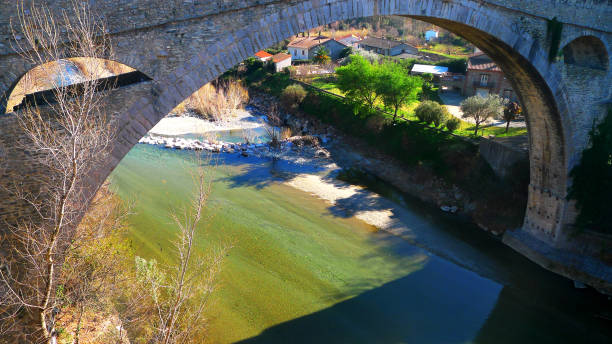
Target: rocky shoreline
{"x":349,"y":152}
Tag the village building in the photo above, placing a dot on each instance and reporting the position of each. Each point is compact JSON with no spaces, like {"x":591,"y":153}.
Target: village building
{"x":431,"y":35}
{"x":484,"y":77}
{"x":438,"y":72}
{"x":263,"y":56}
{"x":349,"y":40}
{"x":281,"y":61}
{"x":305,"y":48}
{"x":386,"y":46}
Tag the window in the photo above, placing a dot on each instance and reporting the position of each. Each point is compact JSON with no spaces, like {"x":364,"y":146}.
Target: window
{"x":302,"y":52}
{"x":484,"y":79}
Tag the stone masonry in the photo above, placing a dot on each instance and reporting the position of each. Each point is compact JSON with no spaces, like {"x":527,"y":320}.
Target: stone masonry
{"x":183,"y":44}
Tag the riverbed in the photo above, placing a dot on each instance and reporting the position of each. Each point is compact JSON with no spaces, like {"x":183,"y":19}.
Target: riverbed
{"x":306,"y":268}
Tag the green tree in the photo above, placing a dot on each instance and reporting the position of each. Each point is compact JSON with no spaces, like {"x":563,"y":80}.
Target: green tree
{"x":511,"y":110}
{"x":480,"y":109}
{"x":322,"y":55}
{"x":431,"y":112}
{"x":396,"y":87}
{"x":358,"y":81}
{"x":592,"y":180}
{"x":452,"y":124}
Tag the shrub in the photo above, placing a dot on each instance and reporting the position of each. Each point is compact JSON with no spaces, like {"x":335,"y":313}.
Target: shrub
{"x":431,"y":112}
{"x":592,"y":180}
{"x":453,"y":124}
{"x":376,"y":123}
{"x":292,"y":96}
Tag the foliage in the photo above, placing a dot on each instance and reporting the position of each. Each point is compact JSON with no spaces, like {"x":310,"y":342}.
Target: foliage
{"x":366,"y":54}
{"x":322,"y":55}
{"x":346,"y":52}
{"x":480,"y":109}
{"x":554,"y":29}
{"x":455,"y":65}
{"x":216,"y":102}
{"x":592,"y":180}
{"x":452,"y":124}
{"x":292,"y":96}
{"x":431,"y":112}
{"x":396,"y":87}
{"x":358,"y":80}
{"x":511,"y":110}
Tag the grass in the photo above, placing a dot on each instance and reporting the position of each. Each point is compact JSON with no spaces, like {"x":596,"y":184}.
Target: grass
{"x":450,"y":51}
{"x":466,"y":129}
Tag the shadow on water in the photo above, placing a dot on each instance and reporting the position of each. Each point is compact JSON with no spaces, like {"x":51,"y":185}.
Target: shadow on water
{"x":262,"y":172}
{"x":434,"y":306}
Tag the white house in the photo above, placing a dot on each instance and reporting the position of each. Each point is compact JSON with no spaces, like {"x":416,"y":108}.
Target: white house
{"x":305,"y":48}
{"x":431,"y":35}
{"x":281,"y":61}
{"x":263,"y":56}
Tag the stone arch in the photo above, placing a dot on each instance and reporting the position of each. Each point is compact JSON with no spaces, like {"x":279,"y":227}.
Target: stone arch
{"x":516,"y":45}
{"x":63,"y":73}
{"x":536,"y":81}
{"x":586,"y":51}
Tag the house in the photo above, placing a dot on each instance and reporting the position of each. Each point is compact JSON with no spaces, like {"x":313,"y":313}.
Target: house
{"x":431,"y":35}
{"x":484,"y":77}
{"x":386,"y":46}
{"x":263,"y":56}
{"x":305,"y":48}
{"x":437,"y":71}
{"x":281,"y":61}
{"x":349,"y":40}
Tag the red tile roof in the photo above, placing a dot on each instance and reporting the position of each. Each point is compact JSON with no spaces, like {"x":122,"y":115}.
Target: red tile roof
{"x":480,"y":61}
{"x":280,"y":57}
{"x":308,"y":42}
{"x":262,"y":54}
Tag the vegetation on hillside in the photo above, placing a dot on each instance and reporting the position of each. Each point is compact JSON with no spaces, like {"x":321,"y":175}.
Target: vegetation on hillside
{"x":592,"y":180}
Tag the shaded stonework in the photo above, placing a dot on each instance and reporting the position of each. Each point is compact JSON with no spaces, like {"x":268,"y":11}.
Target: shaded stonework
{"x":182,"y":45}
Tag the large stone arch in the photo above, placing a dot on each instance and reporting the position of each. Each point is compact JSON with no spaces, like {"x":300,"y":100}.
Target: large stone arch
{"x":522,"y":57}
{"x":514,"y":40}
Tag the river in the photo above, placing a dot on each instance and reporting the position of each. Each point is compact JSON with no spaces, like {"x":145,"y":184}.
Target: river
{"x":300,"y":271}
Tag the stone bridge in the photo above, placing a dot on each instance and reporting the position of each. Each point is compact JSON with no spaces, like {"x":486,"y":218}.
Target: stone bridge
{"x":183,"y":44}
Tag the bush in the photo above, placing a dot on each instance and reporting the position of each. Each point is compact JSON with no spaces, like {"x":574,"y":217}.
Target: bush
{"x":453,"y":124}
{"x":592,"y":180}
{"x":431,"y":112}
{"x":292,"y":96}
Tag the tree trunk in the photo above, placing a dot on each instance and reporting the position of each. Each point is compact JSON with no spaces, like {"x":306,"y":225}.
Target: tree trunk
{"x":395,"y":115}
{"x":476,"y":131}
{"x":507,"y":126}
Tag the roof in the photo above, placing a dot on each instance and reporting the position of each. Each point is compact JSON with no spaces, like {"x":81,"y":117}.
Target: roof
{"x":308,"y":42}
{"x":381,"y":43}
{"x":480,"y":61}
{"x":263,"y":54}
{"x":280,"y":57}
{"x":435,"y":70}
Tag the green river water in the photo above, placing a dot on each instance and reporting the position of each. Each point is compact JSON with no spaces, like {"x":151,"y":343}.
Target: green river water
{"x":301,"y":273}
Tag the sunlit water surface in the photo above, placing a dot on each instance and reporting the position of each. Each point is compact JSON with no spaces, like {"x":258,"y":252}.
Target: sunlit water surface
{"x":300,"y":273}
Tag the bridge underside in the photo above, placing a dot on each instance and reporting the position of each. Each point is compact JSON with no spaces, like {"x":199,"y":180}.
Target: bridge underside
{"x":183,"y":53}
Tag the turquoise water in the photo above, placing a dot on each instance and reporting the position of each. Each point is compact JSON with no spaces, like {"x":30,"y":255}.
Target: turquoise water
{"x":300,"y":272}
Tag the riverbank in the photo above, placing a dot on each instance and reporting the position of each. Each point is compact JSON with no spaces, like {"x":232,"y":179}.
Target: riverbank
{"x":183,"y":124}
{"x":477,"y":195}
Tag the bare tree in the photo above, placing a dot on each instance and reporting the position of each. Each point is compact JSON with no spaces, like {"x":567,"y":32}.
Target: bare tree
{"x":69,"y":139}
{"x":179,"y":293}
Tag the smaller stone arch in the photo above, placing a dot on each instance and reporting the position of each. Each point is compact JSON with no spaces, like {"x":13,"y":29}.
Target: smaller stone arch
{"x":586,"y":51}
{"x":67,"y":72}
